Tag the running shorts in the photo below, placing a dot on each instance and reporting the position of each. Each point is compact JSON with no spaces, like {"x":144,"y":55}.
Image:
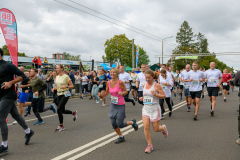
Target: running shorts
{"x":154,"y":114}
{"x":22,"y":97}
{"x":213,"y":91}
{"x":196,"y":94}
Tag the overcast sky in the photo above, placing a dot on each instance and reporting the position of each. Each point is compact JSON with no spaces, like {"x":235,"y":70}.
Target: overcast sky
{"x":46,"y":26}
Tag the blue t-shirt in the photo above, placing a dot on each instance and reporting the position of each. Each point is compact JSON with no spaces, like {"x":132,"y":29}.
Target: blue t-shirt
{"x":109,"y":77}
{"x":137,"y":72}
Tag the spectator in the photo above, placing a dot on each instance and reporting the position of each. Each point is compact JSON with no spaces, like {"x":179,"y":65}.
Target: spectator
{"x":138,"y":70}
{"x":39,"y":61}
{"x":45,"y":62}
{"x":40,"y":74}
{"x":50,"y":82}
{"x":77,"y":83}
{"x":68,"y":68}
{"x":84,"y":83}
{"x":34,"y":62}
{"x":71,"y":75}
{"x":65,"y":72}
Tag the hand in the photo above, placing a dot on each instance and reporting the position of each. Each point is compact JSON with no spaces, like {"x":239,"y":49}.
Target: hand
{"x":136,"y":86}
{"x":36,"y":93}
{"x":218,"y":85}
{"x":26,"y":91}
{"x":153,"y":93}
{"x":190,"y":80}
{"x":140,"y":98}
{"x":200,"y":80}
{"x":120,"y":93}
{"x":6,"y":85}
{"x":53,"y":90}
{"x":164,"y":83}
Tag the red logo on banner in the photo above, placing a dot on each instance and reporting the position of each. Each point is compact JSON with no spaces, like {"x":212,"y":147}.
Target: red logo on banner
{"x":8,"y":25}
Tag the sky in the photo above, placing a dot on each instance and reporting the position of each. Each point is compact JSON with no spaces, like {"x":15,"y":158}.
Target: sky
{"x":47,"y":26}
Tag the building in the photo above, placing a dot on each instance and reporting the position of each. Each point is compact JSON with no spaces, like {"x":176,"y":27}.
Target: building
{"x":58,"y":56}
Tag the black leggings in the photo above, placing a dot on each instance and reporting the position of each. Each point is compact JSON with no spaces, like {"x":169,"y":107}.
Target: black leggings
{"x":126,"y":98}
{"x":38,"y":107}
{"x":86,"y":88}
{"x":169,"y":103}
{"x":118,"y":123}
{"x":62,"y":101}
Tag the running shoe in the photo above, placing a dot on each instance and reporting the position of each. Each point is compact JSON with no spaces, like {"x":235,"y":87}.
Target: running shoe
{"x":165,"y":132}
{"x":90,"y":98}
{"x":133,"y":102}
{"x":169,"y":114}
{"x":188,"y":109}
{"x":149,"y":149}
{"x":103,"y":105}
{"x":97,"y":101}
{"x":39,"y":122}
{"x":136,"y":99}
{"x":232,"y":90}
{"x":59,"y":128}
{"x":53,"y":108}
{"x":27,"y":115}
{"x":180,"y":99}
{"x":175,"y":95}
{"x":195,"y":117}
{"x":120,"y":140}
{"x":228,"y":93}
{"x":15,"y":122}
{"x":162,"y":116}
{"x":212,"y":113}
{"x":238,"y":141}
{"x":225,"y":100}
{"x":74,"y":115}
{"x":81,"y":97}
{"x":135,"y":125}
{"x":220,"y":94}
{"x":28,"y":137}
{"x":3,"y":150}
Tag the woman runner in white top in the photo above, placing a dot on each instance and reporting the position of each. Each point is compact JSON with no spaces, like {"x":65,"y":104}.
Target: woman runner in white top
{"x":151,"y":111}
{"x":166,"y":84}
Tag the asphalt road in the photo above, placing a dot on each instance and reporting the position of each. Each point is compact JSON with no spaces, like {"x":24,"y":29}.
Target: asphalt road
{"x":91,"y":136}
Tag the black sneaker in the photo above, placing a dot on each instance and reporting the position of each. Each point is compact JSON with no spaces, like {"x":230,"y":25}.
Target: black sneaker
{"x":133,"y":102}
{"x":225,"y":100}
{"x":228,"y":93}
{"x":135,"y":125}
{"x":74,"y":115}
{"x":81,"y":97}
{"x":220,"y":94}
{"x":28,"y":137}
{"x":195,"y":117}
{"x":120,"y":140}
{"x":212,"y":113}
{"x":169,"y":114}
{"x":3,"y":150}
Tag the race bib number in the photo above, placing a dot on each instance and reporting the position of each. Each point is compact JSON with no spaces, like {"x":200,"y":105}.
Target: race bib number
{"x":187,"y":86}
{"x":148,"y":100}
{"x":213,"y":81}
{"x":34,"y":96}
{"x":114,"y":100}
{"x":225,"y":84}
{"x":100,"y":85}
{"x":195,"y":82}
{"x":67,"y":93}
{"x":164,"y":87}
{"x":181,"y":83}
{"x":133,"y":84}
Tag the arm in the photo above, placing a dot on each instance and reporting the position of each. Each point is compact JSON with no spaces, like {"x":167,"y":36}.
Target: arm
{"x":107,"y":89}
{"x":159,"y":91}
{"x":123,"y":87}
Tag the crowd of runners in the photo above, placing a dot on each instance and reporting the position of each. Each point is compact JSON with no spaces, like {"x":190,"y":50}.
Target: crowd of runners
{"x":148,"y":88}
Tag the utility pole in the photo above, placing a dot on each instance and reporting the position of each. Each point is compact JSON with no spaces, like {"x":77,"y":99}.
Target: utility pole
{"x":132,"y":53}
{"x":162,"y":46}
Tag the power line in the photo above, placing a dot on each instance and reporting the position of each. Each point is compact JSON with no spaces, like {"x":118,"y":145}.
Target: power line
{"x":107,"y":20}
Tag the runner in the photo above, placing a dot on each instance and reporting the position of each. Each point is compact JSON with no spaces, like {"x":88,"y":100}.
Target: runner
{"x":38,"y":86}
{"x":176,"y":75}
{"x":133,"y":84}
{"x":126,"y":78}
{"x":102,"y":86}
{"x":166,"y":84}
{"x":226,"y":79}
{"x":231,"y":82}
{"x":84,"y":84}
{"x":171,"y":74}
{"x":140,"y":81}
{"x":117,"y":115}
{"x":195,"y":78}
{"x":186,"y":86}
{"x":63,"y":84}
{"x":203,"y":83}
{"x":151,"y":111}
{"x":52,"y":80}
{"x":180,"y":85}
{"x":214,"y":80}
{"x":8,"y":97}
{"x":95,"y":88}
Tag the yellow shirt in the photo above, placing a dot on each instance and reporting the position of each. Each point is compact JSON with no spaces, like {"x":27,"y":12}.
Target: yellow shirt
{"x":62,"y":81}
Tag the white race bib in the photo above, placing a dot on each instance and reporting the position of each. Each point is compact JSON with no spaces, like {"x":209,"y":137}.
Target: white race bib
{"x":94,"y":85}
{"x":133,"y":84}
{"x":181,"y":83}
{"x":164,"y":87}
{"x":114,"y":99}
{"x":100,"y":85}
{"x":34,"y":96}
{"x":148,"y":100}
{"x":195,"y":82}
{"x":213,"y":81}
{"x":67,"y":93}
{"x":225,"y":84}
{"x":187,"y":86}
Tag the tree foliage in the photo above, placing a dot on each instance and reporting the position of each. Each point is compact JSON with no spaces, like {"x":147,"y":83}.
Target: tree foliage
{"x":6,"y":52}
{"x":68,"y":56}
{"x":119,"y":49}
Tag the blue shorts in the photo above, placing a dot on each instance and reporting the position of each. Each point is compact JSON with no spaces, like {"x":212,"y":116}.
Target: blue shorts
{"x":186,"y":92}
{"x":22,"y":97}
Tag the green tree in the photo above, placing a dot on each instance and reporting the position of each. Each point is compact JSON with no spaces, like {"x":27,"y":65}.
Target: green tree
{"x":6,"y":52}
{"x":68,"y":56}
{"x":143,"y":57}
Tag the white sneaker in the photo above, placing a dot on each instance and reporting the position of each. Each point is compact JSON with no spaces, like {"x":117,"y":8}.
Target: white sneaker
{"x":97,"y":101}
{"x":15,"y":122}
{"x":103,"y":104}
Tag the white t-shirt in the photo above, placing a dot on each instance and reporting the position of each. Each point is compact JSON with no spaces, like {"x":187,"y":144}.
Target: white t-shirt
{"x":125,"y":77}
{"x":176,"y":77}
{"x":184,"y":75}
{"x":213,"y":77}
{"x":169,"y":75}
{"x":84,"y":79}
{"x":142,"y":80}
{"x":195,"y":85}
{"x":77,"y":79}
{"x":167,"y":89}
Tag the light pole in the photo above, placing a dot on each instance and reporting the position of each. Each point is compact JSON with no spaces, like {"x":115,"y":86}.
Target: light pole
{"x":162,"y":46}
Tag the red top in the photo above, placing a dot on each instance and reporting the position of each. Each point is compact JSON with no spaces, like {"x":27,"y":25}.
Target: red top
{"x":39,"y":61}
{"x":226,"y":77}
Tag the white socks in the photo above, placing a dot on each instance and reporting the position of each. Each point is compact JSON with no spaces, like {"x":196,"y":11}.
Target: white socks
{"x":27,"y":131}
{"x":225,"y":98}
{"x":121,"y":136}
{"x":4,"y":143}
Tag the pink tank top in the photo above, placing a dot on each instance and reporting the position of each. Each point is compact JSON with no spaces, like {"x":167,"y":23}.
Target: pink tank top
{"x":114,"y":92}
